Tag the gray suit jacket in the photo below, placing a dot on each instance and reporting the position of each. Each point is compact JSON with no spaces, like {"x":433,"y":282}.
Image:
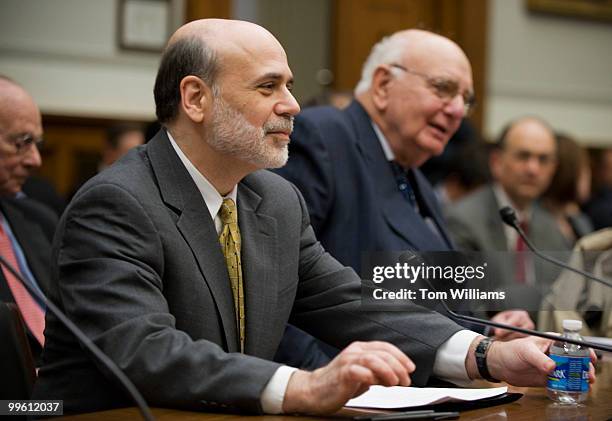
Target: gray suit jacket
{"x":140,"y":270}
{"x":475,"y":225}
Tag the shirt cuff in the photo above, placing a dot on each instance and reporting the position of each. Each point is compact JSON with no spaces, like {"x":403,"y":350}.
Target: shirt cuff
{"x":449,"y":364}
{"x":274,"y":393}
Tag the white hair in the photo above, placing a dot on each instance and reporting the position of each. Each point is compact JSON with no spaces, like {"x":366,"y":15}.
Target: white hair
{"x":387,"y":51}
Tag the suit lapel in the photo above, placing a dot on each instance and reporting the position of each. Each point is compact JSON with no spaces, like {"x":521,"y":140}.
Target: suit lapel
{"x":401,"y":218}
{"x":180,"y":193}
{"x":429,"y":200}
{"x":31,"y":239}
{"x":259,"y":267}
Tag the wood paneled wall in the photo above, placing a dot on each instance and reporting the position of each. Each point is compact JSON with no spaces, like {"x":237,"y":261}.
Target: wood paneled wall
{"x":200,"y":9}
{"x":72,"y":149}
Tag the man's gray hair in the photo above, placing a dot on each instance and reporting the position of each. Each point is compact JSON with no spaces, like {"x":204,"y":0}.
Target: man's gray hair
{"x":388,"y":50}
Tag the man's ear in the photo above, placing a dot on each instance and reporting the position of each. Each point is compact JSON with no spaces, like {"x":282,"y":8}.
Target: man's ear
{"x":196,"y":98}
{"x":380,"y":87}
{"x":495,"y":162}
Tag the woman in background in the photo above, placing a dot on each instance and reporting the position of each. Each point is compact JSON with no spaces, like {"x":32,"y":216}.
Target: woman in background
{"x":570,"y":187}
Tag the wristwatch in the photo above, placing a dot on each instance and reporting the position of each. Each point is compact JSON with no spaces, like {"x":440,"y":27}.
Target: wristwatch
{"x":481,"y":352}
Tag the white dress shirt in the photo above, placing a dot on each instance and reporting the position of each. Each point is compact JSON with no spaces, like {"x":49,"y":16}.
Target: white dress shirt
{"x":450,"y":359}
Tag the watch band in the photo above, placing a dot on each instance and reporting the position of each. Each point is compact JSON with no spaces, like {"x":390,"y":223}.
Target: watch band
{"x":481,"y":352}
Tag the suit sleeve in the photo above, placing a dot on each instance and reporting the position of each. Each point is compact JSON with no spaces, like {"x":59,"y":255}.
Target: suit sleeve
{"x":328,"y":304}
{"x":310,"y":169}
{"x":111,"y":274}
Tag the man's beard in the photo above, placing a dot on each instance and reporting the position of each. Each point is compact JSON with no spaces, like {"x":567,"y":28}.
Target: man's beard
{"x":232,"y":134}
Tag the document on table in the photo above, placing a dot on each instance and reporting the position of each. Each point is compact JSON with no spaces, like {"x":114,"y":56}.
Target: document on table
{"x":395,"y":397}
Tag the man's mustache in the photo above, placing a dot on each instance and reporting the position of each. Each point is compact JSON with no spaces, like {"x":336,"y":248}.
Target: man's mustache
{"x":281,"y":125}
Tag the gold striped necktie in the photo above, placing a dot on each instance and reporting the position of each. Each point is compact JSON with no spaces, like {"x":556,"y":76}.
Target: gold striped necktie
{"x":230,"y":245}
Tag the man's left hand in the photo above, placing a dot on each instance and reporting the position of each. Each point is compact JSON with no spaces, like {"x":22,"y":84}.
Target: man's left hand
{"x":523,"y":362}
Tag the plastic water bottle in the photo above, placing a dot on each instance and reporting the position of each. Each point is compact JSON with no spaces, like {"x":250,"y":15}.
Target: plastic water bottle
{"x":569,"y":382}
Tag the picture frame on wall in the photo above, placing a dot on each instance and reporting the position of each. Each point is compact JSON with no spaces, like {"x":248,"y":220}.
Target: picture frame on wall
{"x":144,"y":25}
{"x":600,"y":10}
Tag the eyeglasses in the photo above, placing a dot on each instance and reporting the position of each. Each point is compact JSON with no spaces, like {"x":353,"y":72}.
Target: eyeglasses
{"x":445,"y":89}
{"x":23,"y":141}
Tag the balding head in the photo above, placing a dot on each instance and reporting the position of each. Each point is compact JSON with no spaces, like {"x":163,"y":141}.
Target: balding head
{"x":411,"y":45}
{"x":416,"y":86}
{"x":203,"y":48}
{"x":524,"y":161}
{"x":224,"y":35}
{"x":20,"y":124}
{"x":223,"y":90}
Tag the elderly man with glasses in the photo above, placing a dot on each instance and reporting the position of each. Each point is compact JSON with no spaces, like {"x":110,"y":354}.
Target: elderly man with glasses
{"x":358,"y":168}
{"x":26,"y":226}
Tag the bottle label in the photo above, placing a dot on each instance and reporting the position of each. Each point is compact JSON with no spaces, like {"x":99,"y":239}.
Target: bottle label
{"x":571,"y":374}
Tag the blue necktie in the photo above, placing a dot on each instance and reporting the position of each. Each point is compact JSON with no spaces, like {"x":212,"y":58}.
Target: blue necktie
{"x":403,"y":184}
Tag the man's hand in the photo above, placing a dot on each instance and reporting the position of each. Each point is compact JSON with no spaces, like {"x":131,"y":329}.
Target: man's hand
{"x":521,"y":362}
{"x":516,"y":318}
{"x":351,"y":373}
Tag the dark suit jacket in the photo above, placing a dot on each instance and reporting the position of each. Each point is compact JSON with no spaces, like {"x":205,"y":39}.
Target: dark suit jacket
{"x":337,"y":163}
{"x":33,"y":225}
{"x":355,"y":206}
{"x":140,"y":270}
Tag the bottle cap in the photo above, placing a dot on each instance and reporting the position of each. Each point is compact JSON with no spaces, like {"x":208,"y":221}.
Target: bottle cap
{"x":572,"y":324}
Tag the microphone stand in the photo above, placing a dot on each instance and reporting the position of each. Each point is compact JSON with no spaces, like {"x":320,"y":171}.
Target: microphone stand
{"x":93,"y":348}
{"x":408,"y":256}
{"x":508,"y":215}
{"x":529,"y":332}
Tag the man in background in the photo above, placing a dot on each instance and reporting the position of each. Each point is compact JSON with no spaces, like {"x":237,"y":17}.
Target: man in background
{"x":462,"y":168}
{"x":358,"y":168}
{"x":26,"y":226}
{"x":522,"y":166}
{"x":119,"y":140}
{"x":599,"y":208}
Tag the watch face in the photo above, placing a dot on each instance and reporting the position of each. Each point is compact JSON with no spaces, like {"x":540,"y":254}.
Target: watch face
{"x":482,"y":347}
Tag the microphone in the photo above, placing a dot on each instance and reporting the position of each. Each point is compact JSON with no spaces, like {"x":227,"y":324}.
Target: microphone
{"x":93,"y":348}
{"x":410,"y":256}
{"x":508,"y":215}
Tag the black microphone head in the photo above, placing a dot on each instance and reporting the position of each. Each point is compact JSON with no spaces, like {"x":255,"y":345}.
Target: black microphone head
{"x":508,"y":215}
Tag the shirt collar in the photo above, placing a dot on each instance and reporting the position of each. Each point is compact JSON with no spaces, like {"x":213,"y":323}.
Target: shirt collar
{"x":503,"y":200}
{"x":211,"y":196}
{"x":384,"y":143}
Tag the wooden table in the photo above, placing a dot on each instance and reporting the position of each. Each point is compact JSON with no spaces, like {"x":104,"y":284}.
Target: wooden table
{"x":534,"y":405}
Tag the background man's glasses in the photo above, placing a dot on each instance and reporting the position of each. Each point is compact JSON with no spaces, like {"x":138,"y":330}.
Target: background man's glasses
{"x":445,"y":89}
{"x":24,"y":141}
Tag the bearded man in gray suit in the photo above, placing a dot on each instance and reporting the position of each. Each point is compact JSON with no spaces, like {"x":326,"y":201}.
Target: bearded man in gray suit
{"x":140,"y":267}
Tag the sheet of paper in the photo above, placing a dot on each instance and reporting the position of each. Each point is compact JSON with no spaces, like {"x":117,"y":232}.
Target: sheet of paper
{"x":381,"y":397}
